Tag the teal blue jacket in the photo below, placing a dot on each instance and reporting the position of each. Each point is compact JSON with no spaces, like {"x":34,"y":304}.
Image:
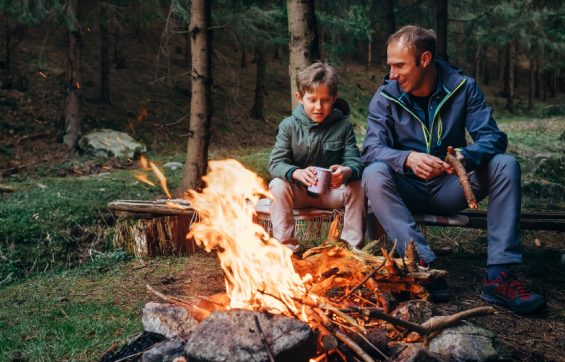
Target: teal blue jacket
{"x":302,"y":142}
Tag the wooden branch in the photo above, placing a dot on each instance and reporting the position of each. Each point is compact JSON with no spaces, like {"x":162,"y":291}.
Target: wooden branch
{"x":353,"y":346}
{"x":460,"y":171}
{"x":367,"y":277}
{"x":263,"y":339}
{"x":440,"y":323}
{"x":6,"y":188}
{"x":198,"y":313}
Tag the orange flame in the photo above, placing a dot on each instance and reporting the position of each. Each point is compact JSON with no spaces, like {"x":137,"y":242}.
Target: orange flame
{"x":150,"y":166}
{"x":258,"y":269}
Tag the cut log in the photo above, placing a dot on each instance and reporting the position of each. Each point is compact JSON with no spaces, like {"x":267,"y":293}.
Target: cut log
{"x":154,"y":228}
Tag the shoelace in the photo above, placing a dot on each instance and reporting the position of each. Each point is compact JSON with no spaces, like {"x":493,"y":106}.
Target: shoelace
{"x":511,"y":287}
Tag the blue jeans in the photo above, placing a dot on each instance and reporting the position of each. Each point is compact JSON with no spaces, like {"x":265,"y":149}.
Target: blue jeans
{"x":395,"y":197}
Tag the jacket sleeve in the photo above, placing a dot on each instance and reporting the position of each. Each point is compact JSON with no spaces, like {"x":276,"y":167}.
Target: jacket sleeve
{"x":488,"y":139}
{"x":379,"y":139}
{"x":281,"y":161}
{"x":351,"y":157}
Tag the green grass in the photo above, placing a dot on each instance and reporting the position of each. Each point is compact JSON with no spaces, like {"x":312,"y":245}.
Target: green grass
{"x":79,"y":314}
{"x":48,"y":219}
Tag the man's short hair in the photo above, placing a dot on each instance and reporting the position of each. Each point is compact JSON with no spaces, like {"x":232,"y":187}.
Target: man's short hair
{"x":315,"y":75}
{"x":420,"y":39}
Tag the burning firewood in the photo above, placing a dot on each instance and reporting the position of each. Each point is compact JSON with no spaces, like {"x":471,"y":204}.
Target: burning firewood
{"x":335,"y":289}
{"x":460,"y":171}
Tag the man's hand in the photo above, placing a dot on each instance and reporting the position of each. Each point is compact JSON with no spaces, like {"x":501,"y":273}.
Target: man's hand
{"x":340,"y":174}
{"x":426,"y":166}
{"x":449,"y":169}
{"x":307,"y":176}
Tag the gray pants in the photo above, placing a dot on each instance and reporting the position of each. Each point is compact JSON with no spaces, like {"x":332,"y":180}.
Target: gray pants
{"x":395,"y":197}
{"x":290,"y":196}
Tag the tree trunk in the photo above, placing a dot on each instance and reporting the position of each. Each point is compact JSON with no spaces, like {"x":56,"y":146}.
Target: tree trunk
{"x":539,"y":66}
{"x":552,"y":83}
{"x":119,"y":60}
{"x":441,"y":18}
{"x":200,"y":116}
{"x":243,"y":60}
{"x":303,"y":39}
{"x":531,"y":84}
{"x":258,"y":107}
{"x":369,"y":54}
{"x":104,"y":54}
{"x":390,"y":20}
{"x":511,"y":50}
{"x":477,"y":63}
{"x":7,"y":82}
{"x":501,"y":64}
{"x":72,"y":104}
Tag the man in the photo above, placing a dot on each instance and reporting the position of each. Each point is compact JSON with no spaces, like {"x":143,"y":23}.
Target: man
{"x":424,"y":106}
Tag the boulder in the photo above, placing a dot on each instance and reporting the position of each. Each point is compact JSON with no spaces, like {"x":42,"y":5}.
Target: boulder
{"x":167,"y":319}
{"x":107,"y":143}
{"x":467,"y":342}
{"x":233,"y":336}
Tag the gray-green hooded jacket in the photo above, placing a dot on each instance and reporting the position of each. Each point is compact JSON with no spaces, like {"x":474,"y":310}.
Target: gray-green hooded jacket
{"x":302,"y":142}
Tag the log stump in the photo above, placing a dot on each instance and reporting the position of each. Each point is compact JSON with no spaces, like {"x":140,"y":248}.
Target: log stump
{"x":154,"y":228}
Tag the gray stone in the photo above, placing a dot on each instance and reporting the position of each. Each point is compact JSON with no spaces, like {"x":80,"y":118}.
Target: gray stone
{"x":107,"y":143}
{"x":467,"y":342}
{"x":173,"y":165}
{"x":416,"y":311}
{"x":416,"y":352}
{"x":167,"y":319}
{"x":233,"y":336}
{"x":166,"y":351}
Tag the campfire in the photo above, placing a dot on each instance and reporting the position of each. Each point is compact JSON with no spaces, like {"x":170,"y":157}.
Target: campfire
{"x":343,"y":298}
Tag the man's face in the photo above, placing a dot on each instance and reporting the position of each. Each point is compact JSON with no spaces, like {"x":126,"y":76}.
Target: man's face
{"x":318,"y":103}
{"x":402,"y":61}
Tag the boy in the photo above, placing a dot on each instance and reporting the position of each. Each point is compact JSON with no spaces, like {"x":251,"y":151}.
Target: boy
{"x":318,"y":133}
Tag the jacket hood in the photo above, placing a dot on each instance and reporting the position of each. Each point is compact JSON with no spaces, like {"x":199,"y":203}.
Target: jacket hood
{"x":340,"y":111}
{"x":450,"y":76}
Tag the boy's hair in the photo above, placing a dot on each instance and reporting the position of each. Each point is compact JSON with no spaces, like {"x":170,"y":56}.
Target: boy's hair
{"x":420,"y":39}
{"x":315,"y":75}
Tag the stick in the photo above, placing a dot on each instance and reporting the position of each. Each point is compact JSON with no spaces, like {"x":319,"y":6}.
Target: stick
{"x":198,"y":313}
{"x":263,"y":339}
{"x":353,"y":346}
{"x":367,"y":277}
{"x":460,"y":171}
{"x":444,"y":322}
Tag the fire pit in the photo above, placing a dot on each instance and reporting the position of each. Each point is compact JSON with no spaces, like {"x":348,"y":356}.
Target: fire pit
{"x":332,"y":303}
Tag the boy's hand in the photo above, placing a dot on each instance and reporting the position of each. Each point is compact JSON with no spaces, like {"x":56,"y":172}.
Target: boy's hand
{"x":340,"y":174}
{"x":307,"y":176}
{"x":426,"y":166}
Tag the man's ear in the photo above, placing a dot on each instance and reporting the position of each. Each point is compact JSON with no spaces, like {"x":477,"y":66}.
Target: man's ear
{"x":425,"y":59}
{"x":298,"y":97}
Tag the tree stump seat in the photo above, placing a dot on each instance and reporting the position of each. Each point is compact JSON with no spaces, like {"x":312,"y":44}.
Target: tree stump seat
{"x":154,"y":228}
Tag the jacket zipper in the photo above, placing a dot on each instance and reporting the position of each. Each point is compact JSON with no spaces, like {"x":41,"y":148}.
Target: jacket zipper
{"x":427,"y":131}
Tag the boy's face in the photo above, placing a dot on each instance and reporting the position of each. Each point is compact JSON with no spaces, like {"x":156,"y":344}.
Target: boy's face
{"x":318,"y":103}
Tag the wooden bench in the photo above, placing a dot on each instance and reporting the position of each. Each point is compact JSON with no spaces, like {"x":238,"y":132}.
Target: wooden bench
{"x":474,"y":219}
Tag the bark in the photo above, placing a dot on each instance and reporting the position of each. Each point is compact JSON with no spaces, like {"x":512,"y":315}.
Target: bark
{"x":538,"y":80}
{"x":259,"y":105}
{"x":552,"y":83}
{"x":104,"y":54}
{"x":501,"y":63}
{"x":369,"y":54}
{"x":7,"y":82}
{"x":72,"y":104}
{"x":390,"y":20}
{"x":460,"y":171}
{"x":303,"y":38}
{"x":200,"y":115}
{"x":509,"y":84}
{"x":441,"y":16}
{"x":477,"y":63}
{"x":531,"y":84}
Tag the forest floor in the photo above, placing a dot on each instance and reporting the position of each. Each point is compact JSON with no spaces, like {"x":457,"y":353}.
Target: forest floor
{"x":151,"y":106}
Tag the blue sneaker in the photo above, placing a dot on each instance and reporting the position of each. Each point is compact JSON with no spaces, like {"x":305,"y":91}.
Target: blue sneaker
{"x":506,"y":290}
